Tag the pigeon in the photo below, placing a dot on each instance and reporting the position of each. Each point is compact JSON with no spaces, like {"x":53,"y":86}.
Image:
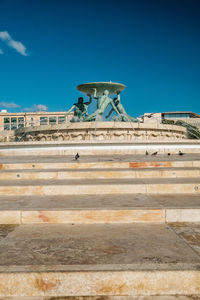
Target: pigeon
{"x":180,"y":153}
{"x":147,"y":153}
{"x":155,"y":153}
{"x":77,"y":156}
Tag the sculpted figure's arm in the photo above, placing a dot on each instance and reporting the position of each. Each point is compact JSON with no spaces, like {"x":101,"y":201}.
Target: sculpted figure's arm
{"x":95,"y":93}
{"x":114,"y":107}
{"x":90,"y":100}
{"x":70,"y":110}
{"x":110,"y":112}
{"x":118,"y":96}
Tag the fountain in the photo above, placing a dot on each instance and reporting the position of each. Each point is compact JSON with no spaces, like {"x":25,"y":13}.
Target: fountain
{"x":101,"y":92}
{"x":91,"y":128}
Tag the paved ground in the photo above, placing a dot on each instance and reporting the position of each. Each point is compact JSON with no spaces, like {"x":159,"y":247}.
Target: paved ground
{"x":100,"y":247}
{"x":73,"y":202}
{"x":47,"y":259}
{"x":94,"y":158}
{"x":95,"y":182}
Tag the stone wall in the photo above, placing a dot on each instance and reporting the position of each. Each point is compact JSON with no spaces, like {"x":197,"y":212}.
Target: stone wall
{"x":101,"y":131}
{"x":7,"y":136}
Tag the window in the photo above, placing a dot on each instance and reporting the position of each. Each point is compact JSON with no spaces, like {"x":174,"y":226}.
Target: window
{"x":43,"y":121}
{"x":13,"y":123}
{"x":20,"y":122}
{"x":52,"y":120}
{"x":6,"y":123}
{"x":176,"y":115}
{"x":61,"y":119}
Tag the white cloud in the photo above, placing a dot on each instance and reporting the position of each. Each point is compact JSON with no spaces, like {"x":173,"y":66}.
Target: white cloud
{"x":34,"y":107}
{"x":37,"y":107}
{"x":40,"y":107}
{"x":9,"y":104}
{"x":18,"y":46}
{"x":4,"y":35}
{"x":1,"y":51}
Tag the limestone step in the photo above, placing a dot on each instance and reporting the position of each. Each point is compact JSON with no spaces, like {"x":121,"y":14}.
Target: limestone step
{"x":100,"y":186}
{"x":99,"y":173}
{"x":163,"y":146}
{"x":48,"y":260}
{"x":102,"y":209}
{"x":99,"y":165}
{"x":98,"y":162}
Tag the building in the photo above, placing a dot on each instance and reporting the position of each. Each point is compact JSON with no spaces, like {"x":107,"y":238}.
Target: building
{"x":186,"y":116}
{"x":12,"y":121}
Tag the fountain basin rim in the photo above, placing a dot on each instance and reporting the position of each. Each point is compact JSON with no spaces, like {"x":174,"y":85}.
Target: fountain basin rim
{"x":112,"y":87}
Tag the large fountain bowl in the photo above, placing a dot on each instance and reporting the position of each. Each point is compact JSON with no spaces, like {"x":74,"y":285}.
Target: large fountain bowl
{"x":112,"y":87}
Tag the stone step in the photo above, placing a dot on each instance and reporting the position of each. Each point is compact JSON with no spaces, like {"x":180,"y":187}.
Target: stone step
{"x":100,"y":186}
{"x":91,"y":209}
{"x":102,"y":216}
{"x":99,"y":158}
{"x":51,"y":260}
{"x":98,"y":162}
{"x":99,"y":173}
{"x":99,"y":147}
{"x":99,"y":165}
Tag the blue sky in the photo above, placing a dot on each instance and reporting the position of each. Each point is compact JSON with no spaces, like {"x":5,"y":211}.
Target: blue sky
{"x":151,"y":46}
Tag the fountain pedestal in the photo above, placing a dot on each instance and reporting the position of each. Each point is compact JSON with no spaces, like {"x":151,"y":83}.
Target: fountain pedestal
{"x":105,"y":132}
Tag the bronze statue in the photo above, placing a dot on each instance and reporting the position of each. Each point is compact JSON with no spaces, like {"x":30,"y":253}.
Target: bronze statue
{"x":101,"y":92}
{"x":102,"y":103}
{"x":80,"y":109}
{"x":122,"y":115}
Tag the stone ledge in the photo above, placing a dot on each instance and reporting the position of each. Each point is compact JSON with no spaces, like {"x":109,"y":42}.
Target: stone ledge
{"x":97,"y":149}
{"x":73,"y":143}
{"x":100,"y":283}
{"x":98,"y":165}
{"x":100,"y":186}
{"x":100,"y":216}
{"x":154,"y":172}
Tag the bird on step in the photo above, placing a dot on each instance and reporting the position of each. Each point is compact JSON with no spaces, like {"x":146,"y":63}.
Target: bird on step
{"x":155,"y":153}
{"x":77,"y":156}
{"x":147,"y":153}
{"x":180,"y":153}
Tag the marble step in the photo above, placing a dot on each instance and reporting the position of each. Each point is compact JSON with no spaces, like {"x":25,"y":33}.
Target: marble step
{"x":99,"y":173}
{"x":99,"y":209}
{"x":62,"y":260}
{"x":137,"y":147}
{"x":99,"y":165}
{"x":98,"y":158}
{"x":100,"y":186}
{"x":98,"y":162}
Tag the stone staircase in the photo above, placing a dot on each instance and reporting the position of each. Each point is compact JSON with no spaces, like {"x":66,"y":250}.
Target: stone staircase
{"x":124,"y":227}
